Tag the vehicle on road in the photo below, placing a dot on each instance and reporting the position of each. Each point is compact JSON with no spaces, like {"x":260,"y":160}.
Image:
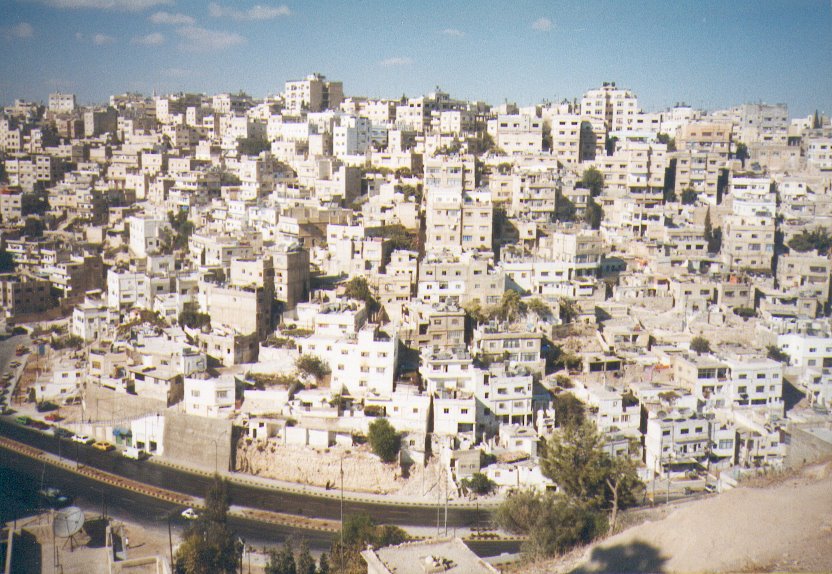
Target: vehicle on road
{"x":54,"y":497}
{"x":710,"y":488}
{"x":46,"y":406}
{"x":62,"y":432}
{"x":36,"y":424}
{"x":21,"y":350}
{"x":134,"y":453}
{"x":23,"y":419}
{"x":54,"y":417}
{"x":190,"y":514}
{"x":83,"y":439}
{"x":14,"y":364}
{"x":103,"y":445}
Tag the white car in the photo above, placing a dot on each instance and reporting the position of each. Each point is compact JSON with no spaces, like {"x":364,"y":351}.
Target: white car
{"x":190,"y":514}
{"x":83,"y":439}
{"x":134,"y":453}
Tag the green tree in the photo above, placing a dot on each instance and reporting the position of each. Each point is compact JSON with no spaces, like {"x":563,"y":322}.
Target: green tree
{"x":323,"y":564}
{"x":569,"y":310}
{"x":358,"y":288}
{"x":539,"y":308}
{"x":712,"y":236}
{"x":511,"y":307}
{"x":689,"y":196}
{"x":384,"y":440}
{"x":593,"y":180}
{"x":474,"y":310}
{"x":209,"y":546}
{"x":666,"y":139}
{"x":305,"y":562}
{"x":700,"y":345}
{"x":478,"y":483}
{"x":564,"y":208}
{"x":594,"y":214}
{"x":359,"y":530}
{"x":552,"y":523}
{"x":569,"y":410}
{"x":182,"y":229}
{"x":7,"y":263}
{"x":575,"y":459}
{"x":252,"y":146}
{"x":816,"y":239}
{"x":741,"y":153}
{"x":282,"y":561}
{"x":33,"y":227}
{"x":193,"y":319}
{"x":312,"y":366}
{"x":774,"y":352}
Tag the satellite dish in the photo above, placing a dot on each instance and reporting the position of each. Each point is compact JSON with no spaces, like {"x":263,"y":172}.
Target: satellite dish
{"x":68,"y":522}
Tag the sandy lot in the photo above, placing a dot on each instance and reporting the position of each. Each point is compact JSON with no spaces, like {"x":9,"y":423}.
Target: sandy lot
{"x":786,"y":526}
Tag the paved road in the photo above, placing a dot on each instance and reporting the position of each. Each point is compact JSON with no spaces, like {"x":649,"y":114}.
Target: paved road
{"x":243,"y":495}
{"x":21,"y":477}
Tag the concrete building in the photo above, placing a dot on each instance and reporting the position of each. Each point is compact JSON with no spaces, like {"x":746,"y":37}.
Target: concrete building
{"x":616,"y":106}
{"x":60,"y":103}
{"x":362,"y":363}
{"x":22,"y":294}
{"x":313,"y":94}
{"x":517,"y":134}
{"x":207,"y":396}
{"x":748,"y":242}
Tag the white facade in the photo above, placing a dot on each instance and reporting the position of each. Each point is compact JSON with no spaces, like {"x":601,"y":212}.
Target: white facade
{"x":210,"y":397}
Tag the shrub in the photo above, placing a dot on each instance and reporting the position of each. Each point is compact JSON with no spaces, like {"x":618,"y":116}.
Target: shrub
{"x":478,"y":483}
{"x":384,"y":440}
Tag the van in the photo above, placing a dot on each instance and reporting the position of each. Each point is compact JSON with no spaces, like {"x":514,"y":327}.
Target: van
{"x":134,"y":453}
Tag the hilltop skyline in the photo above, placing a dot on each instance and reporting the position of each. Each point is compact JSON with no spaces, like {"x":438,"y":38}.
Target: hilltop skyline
{"x":706,"y":54}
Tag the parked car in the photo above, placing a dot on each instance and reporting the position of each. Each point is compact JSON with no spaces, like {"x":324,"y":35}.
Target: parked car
{"x":46,"y":406}
{"x":103,"y":445}
{"x":710,"y":488}
{"x":190,"y":514}
{"x":134,"y":453}
{"x":62,"y":432}
{"x":36,"y":424}
{"x":83,"y":439}
{"x":54,"y":417}
{"x":23,"y":419}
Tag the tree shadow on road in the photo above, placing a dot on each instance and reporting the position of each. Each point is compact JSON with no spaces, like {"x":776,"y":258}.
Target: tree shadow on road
{"x":635,"y":557}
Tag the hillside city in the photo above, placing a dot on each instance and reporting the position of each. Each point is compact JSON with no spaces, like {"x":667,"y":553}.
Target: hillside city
{"x":421,"y":300}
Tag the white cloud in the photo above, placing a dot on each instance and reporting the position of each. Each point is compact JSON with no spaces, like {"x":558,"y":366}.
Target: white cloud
{"x":18,"y":32}
{"x":154,"y":39}
{"x":256,"y":12}
{"x":102,"y":39}
{"x":119,"y":5}
{"x":453,"y":32}
{"x":196,"y":39}
{"x":542,"y":24}
{"x":396,"y":61}
{"x":174,"y":19}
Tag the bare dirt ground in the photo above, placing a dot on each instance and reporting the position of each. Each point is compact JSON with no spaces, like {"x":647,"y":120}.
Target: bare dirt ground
{"x":778,"y":524}
{"x":363,"y":471}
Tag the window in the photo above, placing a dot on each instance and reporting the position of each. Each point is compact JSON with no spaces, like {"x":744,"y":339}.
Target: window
{"x":684,"y":431}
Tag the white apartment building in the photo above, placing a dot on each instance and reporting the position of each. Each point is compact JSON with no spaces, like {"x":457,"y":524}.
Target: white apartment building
{"x":517,"y":134}
{"x":145,"y":235}
{"x":819,"y":153}
{"x":60,"y":103}
{"x":451,"y":172}
{"x":352,"y":137}
{"x":616,"y":106}
{"x":748,"y":242}
{"x":94,"y":320}
{"x":210,"y":397}
{"x":360,"y":364}
{"x":678,"y":439}
{"x":313,"y":94}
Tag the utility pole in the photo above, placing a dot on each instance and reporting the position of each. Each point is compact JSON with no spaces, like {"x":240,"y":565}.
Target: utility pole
{"x":170,"y":545}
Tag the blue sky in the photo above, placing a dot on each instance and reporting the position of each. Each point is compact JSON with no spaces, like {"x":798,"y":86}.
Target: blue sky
{"x":707,"y":53}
